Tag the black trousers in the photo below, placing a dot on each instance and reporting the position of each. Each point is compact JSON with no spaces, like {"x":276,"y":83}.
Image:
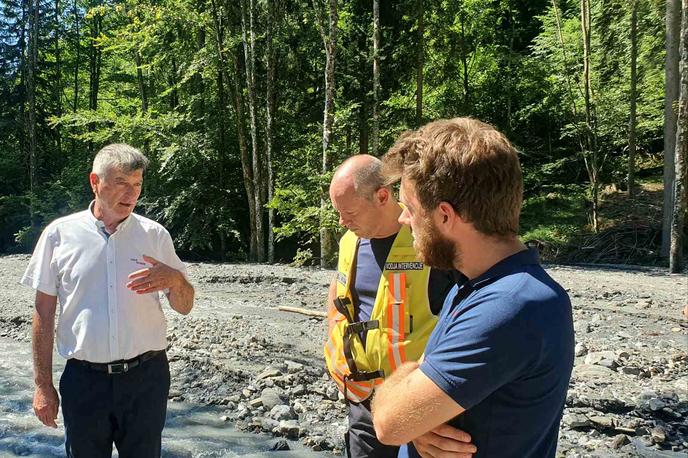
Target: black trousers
{"x":361,"y":441}
{"x":125,"y":409}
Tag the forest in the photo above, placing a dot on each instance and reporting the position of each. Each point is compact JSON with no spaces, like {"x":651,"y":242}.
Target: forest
{"x":245,"y":107}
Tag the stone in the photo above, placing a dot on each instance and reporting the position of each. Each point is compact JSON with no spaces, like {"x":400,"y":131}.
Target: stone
{"x":293,"y":366}
{"x":289,"y":428}
{"x":269,"y":372}
{"x":658,"y":435}
{"x":280,"y":445}
{"x":299,"y":390}
{"x":590,"y":372}
{"x":619,"y":441}
{"x":281,"y":412}
{"x":602,"y":358}
{"x":603,"y":421}
{"x":576,"y":421}
{"x":255,"y":403}
{"x":270,"y":398}
{"x":656,"y":404}
{"x":630,"y":370}
{"x":581,"y":349}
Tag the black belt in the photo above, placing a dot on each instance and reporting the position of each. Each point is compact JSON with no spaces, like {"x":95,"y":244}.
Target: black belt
{"x":120,"y":367}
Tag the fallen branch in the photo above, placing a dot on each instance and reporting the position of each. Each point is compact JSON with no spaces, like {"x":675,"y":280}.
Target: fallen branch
{"x":286,"y":308}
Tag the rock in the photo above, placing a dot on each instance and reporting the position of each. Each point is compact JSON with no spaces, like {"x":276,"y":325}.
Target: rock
{"x":656,"y":404}
{"x":332,"y":392}
{"x":658,"y":435}
{"x":281,"y":412}
{"x":269,"y":373}
{"x":581,"y":349}
{"x":298,"y":390}
{"x":619,"y":441}
{"x":630,"y":370}
{"x":293,"y":366}
{"x":289,"y":428}
{"x":255,"y":403}
{"x":603,"y":421}
{"x":280,"y":445}
{"x":576,"y":421}
{"x":270,"y":398}
{"x":602,"y":358}
{"x":268,"y":424}
{"x":589,"y":372}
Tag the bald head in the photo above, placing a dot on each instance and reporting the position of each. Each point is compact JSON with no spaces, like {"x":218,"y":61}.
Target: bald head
{"x":361,"y":174}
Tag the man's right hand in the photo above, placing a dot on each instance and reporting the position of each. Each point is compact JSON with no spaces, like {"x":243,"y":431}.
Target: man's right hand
{"x":445,"y":442}
{"x":46,"y":404}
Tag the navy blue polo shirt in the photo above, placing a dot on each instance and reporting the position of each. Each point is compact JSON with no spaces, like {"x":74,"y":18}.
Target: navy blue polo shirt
{"x":503,"y":350}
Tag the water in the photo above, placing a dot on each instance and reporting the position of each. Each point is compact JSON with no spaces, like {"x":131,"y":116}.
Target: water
{"x":191,"y":431}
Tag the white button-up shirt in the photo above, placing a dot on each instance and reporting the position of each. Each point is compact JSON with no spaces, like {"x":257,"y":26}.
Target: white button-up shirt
{"x":101,"y":320}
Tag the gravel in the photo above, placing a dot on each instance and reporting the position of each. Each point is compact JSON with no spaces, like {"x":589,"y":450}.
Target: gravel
{"x":628,"y":395}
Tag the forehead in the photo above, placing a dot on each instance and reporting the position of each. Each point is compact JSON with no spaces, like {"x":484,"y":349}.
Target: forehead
{"x":118,"y":172}
{"x":349,"y":202}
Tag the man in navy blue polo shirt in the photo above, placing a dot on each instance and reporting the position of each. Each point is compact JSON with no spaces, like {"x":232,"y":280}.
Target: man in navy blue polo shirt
{"x":498,"y":363}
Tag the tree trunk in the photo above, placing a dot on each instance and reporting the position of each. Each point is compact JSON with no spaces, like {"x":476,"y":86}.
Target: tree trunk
{"x":327,"y":242}
{"x":634,"y":97}
{"x":464,"y":64}
{"x":420,"y":62}
{"x":34,"y":6}
{"x":142,"y":84}
{"x":269,"y":122}
{"x":376,"y":77}
{"x":58,"y":82}
{"x":671,"y":93}
{"x":250,"y":59}
{"x":680,"y":197}
{"x":246,"y":163}
{"x":592,"y":165}
{"x":77,"y":62}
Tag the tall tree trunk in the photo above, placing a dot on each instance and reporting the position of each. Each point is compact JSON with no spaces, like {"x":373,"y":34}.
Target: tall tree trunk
{"x":58,"y":81}
{"x":680,"y":197}
{"x":327,"y":242}
{"x":246,"y":163}
{"x":671,"y":93}
{"x":94,"y":68}
{"x":77,"y":63}
{"x":592,"y":165}
{"x":141,"y":82}
{"x":270,"y":120}
{"x":34,"y":6}
{"x":250,"y":59}
{"x":420,"y":63}
{"x":376,"y":77}
{"x":464,"y":64}
{"x":634,"y":97}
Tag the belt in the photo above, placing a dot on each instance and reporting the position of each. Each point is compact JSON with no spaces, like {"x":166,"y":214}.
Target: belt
{"x":120,"y":367}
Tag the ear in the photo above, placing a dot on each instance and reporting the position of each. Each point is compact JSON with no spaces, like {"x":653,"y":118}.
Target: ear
{"x":94,"y":179}
{"x":382,"y":195}
{"x":446,"y":215}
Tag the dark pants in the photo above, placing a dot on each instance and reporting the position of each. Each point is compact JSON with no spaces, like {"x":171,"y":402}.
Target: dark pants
{"x":361,"y":441}
{"x":128,"y":409}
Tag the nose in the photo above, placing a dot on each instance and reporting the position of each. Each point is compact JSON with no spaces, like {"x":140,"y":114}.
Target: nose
{"x":405,"y":218}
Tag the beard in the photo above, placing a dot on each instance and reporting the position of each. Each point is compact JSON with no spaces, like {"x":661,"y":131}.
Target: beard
{"x":434,"y":249}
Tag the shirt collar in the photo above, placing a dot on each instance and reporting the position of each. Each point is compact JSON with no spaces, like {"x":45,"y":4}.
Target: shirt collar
{"x":506,"y":266}
{"x":100,"y":225}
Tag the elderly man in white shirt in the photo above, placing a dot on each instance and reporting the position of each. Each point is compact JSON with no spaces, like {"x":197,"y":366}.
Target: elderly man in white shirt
{"x":108,"y":267}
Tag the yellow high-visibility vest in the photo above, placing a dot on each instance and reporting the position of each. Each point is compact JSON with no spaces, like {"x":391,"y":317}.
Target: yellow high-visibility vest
{"x":399,"y":326}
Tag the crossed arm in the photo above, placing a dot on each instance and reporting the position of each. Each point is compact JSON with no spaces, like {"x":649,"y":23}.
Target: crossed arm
{"x":409,"y":405}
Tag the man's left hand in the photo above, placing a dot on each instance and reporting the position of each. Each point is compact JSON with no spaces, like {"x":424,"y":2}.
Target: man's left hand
{"x":445,"y":442}
{"x":158,"y":277}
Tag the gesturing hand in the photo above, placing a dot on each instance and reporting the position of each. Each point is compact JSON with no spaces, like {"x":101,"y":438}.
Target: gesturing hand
{"x":158,"y":277}
{"x":445,"y":442}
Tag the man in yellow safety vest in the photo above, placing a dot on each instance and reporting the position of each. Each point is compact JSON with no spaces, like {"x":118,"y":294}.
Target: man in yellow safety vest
{"x":383,"y":303}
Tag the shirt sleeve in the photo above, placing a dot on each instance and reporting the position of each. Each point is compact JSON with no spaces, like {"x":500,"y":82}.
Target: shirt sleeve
{"x":479,"y":352}
{"x":168,"y":255}
{"x":41,"y":273}
{"x":439,"y":285}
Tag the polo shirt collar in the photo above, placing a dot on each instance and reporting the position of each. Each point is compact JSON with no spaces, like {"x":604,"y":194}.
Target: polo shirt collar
{"x":506,"y":266}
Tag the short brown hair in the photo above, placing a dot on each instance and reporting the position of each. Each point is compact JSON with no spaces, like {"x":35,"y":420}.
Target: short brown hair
{"x":466,"y":163}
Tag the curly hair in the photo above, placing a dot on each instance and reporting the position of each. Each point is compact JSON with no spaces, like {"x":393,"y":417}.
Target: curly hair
{"x":466,"y":163}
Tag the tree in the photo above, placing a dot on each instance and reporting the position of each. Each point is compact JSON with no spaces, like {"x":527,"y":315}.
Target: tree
{"x":634,"y":99}
{"x":671,"y":94}
{"x":327,"y":244}
{"x":376,"y":77}
{"x":680,"y":197}
{"x":420,"y":62}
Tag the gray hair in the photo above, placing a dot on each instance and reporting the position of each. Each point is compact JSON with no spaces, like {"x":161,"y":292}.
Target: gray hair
{"x":119,"y":156}
{"x":368,"y":179}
